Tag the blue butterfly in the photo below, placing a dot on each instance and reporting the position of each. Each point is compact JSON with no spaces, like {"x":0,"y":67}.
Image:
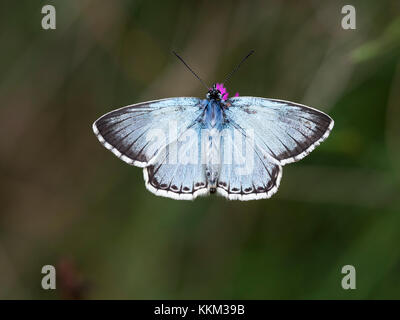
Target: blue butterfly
{"x":247,"y":141}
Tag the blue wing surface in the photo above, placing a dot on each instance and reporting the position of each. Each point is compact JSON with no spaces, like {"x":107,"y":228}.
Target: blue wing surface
{"x":247,"y":173}
{"x":137,"y":133}
{"x":181,"y":177}
{"x":285,"y":130}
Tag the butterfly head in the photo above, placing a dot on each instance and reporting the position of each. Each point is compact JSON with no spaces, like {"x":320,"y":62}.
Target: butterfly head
{"x":214,"y":93}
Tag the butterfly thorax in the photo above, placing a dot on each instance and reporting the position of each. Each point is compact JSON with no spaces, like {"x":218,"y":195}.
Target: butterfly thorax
{"x":213,"y":116}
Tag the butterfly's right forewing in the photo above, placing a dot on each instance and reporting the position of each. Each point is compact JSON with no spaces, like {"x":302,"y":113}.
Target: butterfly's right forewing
{"x":275,"y":132}
{"x":286,"y":130}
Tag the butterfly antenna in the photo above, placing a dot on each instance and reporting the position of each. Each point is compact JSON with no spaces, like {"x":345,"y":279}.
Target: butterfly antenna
{"x":187,"y":66}
{"x":237,"y":67}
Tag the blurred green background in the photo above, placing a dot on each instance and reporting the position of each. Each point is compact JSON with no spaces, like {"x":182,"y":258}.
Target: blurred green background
{"x":68,"y":202}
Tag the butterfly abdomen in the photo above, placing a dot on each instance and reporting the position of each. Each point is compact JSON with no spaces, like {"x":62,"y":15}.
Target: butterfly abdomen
{"x":213,"y":158}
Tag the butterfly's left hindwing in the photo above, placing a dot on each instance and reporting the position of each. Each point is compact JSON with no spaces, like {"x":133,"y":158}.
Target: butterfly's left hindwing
{"x":178,"y":171}
{"x":137,"y":133}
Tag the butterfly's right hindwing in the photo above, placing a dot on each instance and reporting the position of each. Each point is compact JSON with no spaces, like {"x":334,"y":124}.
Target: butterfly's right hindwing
{"x":137,"y":133}
{"x":248,"y":173}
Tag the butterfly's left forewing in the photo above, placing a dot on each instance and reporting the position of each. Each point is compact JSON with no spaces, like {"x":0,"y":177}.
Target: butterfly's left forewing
{"x":137,"y":133}
{"x":162,"y":137}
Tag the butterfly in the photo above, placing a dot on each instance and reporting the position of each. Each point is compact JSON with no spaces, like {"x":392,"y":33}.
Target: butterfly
{"x":235,"y":147}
